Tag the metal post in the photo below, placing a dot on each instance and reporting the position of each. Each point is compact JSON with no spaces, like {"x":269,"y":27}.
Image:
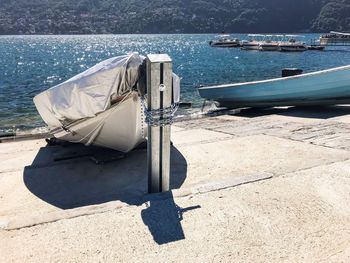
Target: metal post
{"x":159,"y":96}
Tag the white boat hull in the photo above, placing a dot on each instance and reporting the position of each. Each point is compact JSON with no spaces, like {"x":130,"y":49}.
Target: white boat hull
{"x":250,"y":47}
{"x":121,"y":127}
{"x":327,"y":87}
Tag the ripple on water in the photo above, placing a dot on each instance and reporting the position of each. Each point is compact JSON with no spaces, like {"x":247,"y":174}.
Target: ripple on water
{"x":31,"y":64}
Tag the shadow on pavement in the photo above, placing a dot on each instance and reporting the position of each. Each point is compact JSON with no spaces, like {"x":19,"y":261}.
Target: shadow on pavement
{"x":316,"y":112}
{"x":67,"y":176}
{"x":163,"y":218}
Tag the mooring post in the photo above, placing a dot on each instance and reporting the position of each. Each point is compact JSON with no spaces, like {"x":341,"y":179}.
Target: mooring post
{"x":159,"y":99}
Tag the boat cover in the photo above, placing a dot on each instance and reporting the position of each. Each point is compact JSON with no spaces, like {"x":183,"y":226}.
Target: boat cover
{"x":89,"y":92}
{"x":92,"y":91}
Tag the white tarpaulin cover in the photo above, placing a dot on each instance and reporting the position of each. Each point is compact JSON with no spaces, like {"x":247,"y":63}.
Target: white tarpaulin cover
{"x":92,"y":91}
{"x":89,"y":92}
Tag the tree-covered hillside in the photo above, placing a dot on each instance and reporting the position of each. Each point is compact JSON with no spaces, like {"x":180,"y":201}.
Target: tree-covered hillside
{"x":172,"y":16}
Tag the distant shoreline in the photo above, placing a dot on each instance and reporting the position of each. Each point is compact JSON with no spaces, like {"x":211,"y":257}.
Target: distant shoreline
{"x":212,"y":33}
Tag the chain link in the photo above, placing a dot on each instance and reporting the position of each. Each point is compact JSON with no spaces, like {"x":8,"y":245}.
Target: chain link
{"x":142,"y":118}
{"x":159,"y":117}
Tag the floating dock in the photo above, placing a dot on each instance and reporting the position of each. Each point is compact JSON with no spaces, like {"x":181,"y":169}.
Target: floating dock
{"x":335,"y":39}
{"x":268,"y":186}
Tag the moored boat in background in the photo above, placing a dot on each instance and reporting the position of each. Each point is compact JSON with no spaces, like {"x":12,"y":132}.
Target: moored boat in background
{"x":225,"y":41}
{"x":284,"y":43}
{"x":253,"y":43}
{"x":269,"y":46}
{"x":292,"y":45}
{"x":270,"y":43}
{"x":250,"y":45}
{"x":316,"y":47}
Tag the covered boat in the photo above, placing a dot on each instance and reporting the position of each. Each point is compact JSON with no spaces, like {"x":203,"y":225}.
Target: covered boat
{"x":326,"y":87}
{"x":101,"y":106}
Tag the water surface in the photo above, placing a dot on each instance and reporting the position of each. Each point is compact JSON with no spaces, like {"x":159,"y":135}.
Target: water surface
{"x":31,"y":64}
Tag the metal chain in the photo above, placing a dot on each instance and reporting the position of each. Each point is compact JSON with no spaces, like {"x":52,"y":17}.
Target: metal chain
{"x":142,"y":118}
{"x":159,"y":117}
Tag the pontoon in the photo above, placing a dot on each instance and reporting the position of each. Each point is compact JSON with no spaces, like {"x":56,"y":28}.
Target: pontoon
{"x":335,"y":38}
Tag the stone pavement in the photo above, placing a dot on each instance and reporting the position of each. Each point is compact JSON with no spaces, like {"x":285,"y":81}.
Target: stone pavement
{"x":255,"y":186}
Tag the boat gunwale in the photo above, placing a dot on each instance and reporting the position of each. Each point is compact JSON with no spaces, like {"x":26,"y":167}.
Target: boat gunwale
{"x":237,"y":85}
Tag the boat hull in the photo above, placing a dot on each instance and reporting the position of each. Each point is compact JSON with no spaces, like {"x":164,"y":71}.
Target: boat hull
{"x":250,"y":47}
{"x":318,"y":48}
{"x":287,"y":48}
{"x":223,"y":44}
{"x":326,"y":87}
{"x":121,"y":127}
{"x":269,"y":48}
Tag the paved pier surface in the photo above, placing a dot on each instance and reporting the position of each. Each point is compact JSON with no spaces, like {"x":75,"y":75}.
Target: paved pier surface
{"x":257,"y":186}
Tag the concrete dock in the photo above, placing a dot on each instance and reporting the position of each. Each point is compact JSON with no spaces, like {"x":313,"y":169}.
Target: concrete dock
{"x":256,"y":186}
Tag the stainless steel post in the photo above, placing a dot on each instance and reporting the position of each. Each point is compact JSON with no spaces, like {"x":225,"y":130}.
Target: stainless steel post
{"x":159,"y":95}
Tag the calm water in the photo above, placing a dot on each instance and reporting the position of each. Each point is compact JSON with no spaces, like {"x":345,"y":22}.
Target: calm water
{"x":30,"y":64}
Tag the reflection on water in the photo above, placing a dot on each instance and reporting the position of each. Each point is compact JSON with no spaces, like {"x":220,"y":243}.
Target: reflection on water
{"x":30,"y":64}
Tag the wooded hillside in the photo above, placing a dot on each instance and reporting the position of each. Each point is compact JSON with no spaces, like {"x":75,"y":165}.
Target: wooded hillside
{"x":172,"y":16}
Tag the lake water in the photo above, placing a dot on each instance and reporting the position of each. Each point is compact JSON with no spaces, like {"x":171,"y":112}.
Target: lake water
{"x":31,"y":64}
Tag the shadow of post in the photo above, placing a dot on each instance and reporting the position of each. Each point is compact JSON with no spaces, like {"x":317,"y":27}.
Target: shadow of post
{"x":163,"y":218}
